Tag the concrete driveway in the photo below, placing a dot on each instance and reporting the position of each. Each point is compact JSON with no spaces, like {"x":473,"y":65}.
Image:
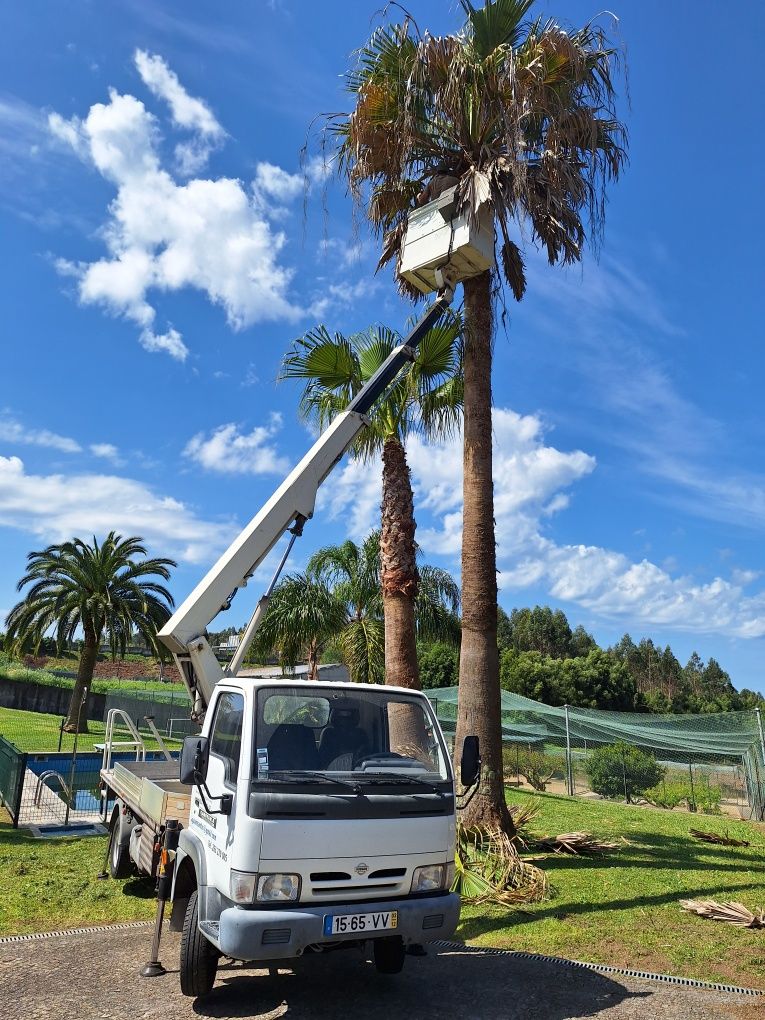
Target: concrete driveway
{"x":95,"y":975}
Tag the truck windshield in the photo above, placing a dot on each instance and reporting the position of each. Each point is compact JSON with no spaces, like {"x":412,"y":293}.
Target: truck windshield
{"x":364,"y":736}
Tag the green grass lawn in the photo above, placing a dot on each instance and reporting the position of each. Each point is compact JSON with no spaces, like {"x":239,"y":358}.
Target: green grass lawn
{"x":36,"y":731}
{"x":50,"y":884}
{"x":623,"y":909}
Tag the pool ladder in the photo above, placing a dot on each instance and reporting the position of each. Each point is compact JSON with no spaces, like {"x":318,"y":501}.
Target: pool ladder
{"x":114,"y":718}
{"x":43,"y":785}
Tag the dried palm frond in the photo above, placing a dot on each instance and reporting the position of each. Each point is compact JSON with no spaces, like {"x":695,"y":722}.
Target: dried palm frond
{"x":712,"y":837}
{"x":731,"y":913}
{"x":521,"y":815}
{"x":578,"y":843}
{"x":489,"y":870}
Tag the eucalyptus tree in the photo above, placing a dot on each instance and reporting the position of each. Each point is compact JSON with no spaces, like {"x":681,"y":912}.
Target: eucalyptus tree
{"x":339,"y":600}
{"x":520,"y":114}
{"x":107,"y":590}
{"x":427,"y":398}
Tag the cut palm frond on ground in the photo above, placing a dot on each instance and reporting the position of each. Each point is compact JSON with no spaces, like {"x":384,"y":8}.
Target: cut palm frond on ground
{"x":522,"y":815}
{"x":577,"y":843}
{"x":712,"y":837}
{"x":731,"y":913}
{"x":489,"y":870}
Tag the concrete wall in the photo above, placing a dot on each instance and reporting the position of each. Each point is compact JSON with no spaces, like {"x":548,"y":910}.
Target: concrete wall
{"x":32,"y":697}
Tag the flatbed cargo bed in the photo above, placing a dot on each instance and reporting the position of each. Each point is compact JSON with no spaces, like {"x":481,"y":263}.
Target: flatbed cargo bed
{"x":151,"y":789}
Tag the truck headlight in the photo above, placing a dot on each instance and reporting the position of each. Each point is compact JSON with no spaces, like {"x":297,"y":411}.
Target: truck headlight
{"x":428,"y":878}
{"x":242,"y":886}
{"x":278,"y":887}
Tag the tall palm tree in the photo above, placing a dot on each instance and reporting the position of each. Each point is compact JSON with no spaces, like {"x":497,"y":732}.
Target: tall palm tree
{"x":427,"y":398}
{"x":339,"y":598}
{"x":521,"y":115}
{"x":105,"y":589}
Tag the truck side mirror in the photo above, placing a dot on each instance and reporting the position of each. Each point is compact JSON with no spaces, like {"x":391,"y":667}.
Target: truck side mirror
{"x":470,"y":764}
{"x":194,"y":758}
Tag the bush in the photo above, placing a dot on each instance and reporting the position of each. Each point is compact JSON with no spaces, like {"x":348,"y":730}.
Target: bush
{"x":439,"y":665}
{"x":620,"y":770}
{"x":536,"y":767}
{"x":703,"y":797}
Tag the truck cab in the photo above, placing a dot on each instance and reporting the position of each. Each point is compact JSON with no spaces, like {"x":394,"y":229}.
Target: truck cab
{"x":322,"y":816}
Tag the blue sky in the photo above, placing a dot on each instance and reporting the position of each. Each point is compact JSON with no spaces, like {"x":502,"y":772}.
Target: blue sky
{"x":160,"y":253}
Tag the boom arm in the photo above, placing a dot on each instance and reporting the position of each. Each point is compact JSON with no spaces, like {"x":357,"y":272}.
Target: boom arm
{"x":291,"y":505}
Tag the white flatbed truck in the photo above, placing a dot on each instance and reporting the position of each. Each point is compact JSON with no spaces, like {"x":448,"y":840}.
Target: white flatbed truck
{"x":306,"y":817}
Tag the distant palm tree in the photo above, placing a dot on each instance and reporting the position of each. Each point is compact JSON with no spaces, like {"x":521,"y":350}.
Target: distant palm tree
{"x":339,"y":599}
{"x":519,"y":115}
{"x":104,"y":589}
{"x":427,"y":398}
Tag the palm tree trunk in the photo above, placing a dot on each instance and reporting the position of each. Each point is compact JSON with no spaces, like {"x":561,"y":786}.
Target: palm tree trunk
{"x":313,"y":660}
{"x":398,"y":568}
{"x":77,"y":718}
{"x":479,"y":709}
{"x":399,"y":578}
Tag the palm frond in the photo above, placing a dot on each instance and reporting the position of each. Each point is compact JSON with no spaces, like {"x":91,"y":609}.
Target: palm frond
{"x":730,"y":912}
{"x":488,"y":869}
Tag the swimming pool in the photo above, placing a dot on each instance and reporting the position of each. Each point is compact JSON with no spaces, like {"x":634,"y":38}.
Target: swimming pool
{"x":87,"y":768}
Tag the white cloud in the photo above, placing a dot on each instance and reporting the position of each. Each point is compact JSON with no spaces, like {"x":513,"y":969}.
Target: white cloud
{"x":276,"y":183}
{"x":12,"y":431}
{"x":56,"y":507}
{"x":348,"y":253}
{"x":228,"y":450}
{"x":170,"y":342}
{"x":530,"y":479}
{"x":318,"y":168}
{"x":211,"y":235}
{"x":353,"y":495}
{"x":108,"y":451}
{"x":187,"y":112}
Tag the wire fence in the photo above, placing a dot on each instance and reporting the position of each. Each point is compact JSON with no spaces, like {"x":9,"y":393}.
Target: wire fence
{"x":49,"y":776}
{"x":711,"y":764}
{"x":705,"y":763}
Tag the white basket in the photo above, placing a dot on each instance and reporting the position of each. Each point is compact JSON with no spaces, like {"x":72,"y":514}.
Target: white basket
{"x":435,"y":237}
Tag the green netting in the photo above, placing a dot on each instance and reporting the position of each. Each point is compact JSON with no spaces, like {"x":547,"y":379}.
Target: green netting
{"x":722,"y":751}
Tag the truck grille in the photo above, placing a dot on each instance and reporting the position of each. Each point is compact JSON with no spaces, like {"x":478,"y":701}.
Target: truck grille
{"x":276,"y":936}
{"x":333,"y":883}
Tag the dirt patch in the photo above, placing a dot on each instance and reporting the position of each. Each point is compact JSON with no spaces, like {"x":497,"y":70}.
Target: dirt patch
{"x":105,"y":669}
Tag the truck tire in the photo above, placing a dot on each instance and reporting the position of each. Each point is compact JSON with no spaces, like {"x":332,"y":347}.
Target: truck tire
{"x":119,"y":858}
{"x":199,"y":958}
{"x":389,"y":954}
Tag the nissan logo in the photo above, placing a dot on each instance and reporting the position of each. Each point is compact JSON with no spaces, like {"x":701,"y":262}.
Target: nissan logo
{"x":361,"y":869}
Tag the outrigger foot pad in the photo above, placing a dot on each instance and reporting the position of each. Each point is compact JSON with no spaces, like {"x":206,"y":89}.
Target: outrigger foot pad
{"x":153,"y":969}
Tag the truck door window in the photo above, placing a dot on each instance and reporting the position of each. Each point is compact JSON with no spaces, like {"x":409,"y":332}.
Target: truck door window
{"x":226,"y":739}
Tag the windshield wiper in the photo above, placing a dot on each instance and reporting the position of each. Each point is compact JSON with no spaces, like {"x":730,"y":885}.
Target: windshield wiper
{"x":399,"y":778}
{"x":303,"y":775}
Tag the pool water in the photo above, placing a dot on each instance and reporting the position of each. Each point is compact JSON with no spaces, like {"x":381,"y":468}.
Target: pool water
{"x":87,"y":769}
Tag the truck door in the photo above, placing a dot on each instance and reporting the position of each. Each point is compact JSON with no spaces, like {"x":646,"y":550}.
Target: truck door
{"x":217,"y":830}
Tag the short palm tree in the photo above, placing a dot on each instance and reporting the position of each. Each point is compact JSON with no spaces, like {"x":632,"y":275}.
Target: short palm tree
{"x":339,"y":599}
{"x":427,"y":398}
{"x":520,"y":115}
{"x":105,"y":589}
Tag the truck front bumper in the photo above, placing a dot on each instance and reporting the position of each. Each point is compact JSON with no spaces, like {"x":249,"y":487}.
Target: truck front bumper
{"x":247,"y":934}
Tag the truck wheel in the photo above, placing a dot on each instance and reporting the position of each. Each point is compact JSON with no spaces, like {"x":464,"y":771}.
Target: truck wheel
{"x":389,"y":954}
{"x":119,"y":858}
{"x":199,"y":958}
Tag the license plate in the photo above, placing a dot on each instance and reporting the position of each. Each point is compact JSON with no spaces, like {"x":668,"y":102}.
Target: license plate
{"x":347,"y":924}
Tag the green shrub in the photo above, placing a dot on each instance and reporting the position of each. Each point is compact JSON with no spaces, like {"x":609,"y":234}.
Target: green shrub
{"x":620,"y":770}
{"x":667,"y":795}
{"x":439,"y":665}
{"x":703,"y":797}
{"x":536,"y":767}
